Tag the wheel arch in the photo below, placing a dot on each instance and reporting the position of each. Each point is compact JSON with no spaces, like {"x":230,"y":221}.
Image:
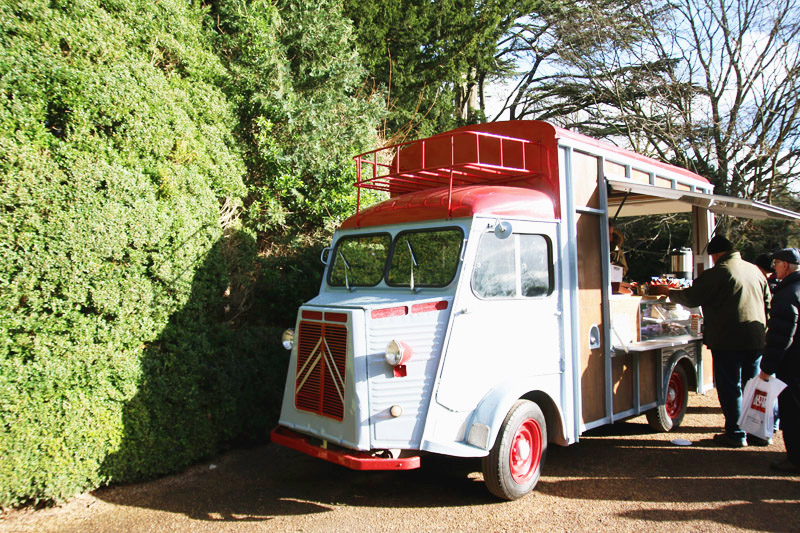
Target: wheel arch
{"x":484,"y":425}
{"x":552,"y":416}
{"x":673,"y":397}
{"x":691,"y":371}
{"x":683,"y":359}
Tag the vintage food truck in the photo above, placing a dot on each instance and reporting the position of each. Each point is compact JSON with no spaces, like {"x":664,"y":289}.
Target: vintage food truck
{"x":472,"y":313}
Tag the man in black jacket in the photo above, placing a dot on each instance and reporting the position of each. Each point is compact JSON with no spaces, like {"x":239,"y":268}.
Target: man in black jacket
{"x":735,"y":299}
{"x":782,"y":353}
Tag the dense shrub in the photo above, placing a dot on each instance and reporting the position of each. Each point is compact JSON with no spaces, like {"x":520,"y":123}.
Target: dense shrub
{"x":117,"y":155}
{"x":154,"y":158}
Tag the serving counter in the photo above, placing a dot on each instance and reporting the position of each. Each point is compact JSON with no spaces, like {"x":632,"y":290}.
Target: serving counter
{"x":649,"y":336}
{"x":640,"y":323}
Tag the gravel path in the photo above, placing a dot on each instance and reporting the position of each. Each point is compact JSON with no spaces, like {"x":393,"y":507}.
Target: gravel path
{"x":618,"y":478}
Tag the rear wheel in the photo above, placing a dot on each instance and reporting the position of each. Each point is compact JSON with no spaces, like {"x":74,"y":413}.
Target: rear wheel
{"x":514,"y":464}
{"x":670,"y":415}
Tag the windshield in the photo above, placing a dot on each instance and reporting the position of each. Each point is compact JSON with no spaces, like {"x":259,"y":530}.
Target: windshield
{"x":427,"y":258}
{"x":359,"y":260}
{"x":422,"y":258}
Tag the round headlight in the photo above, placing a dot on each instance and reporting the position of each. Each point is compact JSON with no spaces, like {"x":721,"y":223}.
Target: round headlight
{"x":394,"y":353}
{"x":288,"y":339}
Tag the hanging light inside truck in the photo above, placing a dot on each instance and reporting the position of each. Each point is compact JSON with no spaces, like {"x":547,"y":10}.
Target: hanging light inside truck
{"x":287,"y":339}
{"x":397,"y":355}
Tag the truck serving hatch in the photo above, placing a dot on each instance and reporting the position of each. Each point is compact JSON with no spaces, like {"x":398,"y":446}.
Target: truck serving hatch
{"x":650,"y":200}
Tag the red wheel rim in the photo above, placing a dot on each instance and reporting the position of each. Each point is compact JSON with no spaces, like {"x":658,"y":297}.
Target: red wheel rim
{"x":675,"y":393}
{"x":526,"y":451}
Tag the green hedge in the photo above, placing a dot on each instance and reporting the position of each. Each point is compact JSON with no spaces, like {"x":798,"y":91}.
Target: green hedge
{"x":117,"y":154}
{"x":146,"y":149}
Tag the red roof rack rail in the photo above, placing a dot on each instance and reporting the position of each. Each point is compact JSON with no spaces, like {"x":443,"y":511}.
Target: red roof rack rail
{"x":457,"y":158}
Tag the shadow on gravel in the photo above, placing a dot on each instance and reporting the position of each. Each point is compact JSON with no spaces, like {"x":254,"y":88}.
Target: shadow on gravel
{"x":260,"y":483}
{"x":620,"y":429}
{"x":624,"y":463}
{"x":699,"y":410}
{"x":628,"y":470}
{"x":742,"y":516}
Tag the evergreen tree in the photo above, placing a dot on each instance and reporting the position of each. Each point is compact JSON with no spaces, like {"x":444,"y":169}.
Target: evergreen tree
{"x":304,"y":111}
{"x":432,"y":59}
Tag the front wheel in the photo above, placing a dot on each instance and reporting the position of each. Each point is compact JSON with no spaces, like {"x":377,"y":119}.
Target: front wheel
{"x":514,"y":464}
{"x":670,"y":415}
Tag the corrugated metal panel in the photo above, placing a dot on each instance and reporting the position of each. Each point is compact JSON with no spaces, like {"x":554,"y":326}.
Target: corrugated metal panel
{"x":425,"y":333}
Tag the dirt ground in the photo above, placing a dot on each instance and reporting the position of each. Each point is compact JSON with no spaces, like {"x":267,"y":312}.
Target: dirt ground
{"x":617,"y":478}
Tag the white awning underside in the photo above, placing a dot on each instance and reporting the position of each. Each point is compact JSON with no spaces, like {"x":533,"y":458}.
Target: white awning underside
{"x":651,"y":200}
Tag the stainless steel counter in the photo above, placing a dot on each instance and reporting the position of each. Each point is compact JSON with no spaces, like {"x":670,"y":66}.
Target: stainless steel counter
{"x":656,"y":344}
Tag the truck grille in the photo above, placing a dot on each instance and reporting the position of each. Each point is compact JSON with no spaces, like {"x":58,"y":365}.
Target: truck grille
{"x":321,"y":369}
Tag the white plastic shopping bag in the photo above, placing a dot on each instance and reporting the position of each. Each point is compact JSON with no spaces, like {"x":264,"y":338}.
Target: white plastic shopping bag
{"x":758,"y":398}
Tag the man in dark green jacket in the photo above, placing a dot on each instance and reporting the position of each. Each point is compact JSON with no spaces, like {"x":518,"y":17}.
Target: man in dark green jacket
{"x":735,"y":299}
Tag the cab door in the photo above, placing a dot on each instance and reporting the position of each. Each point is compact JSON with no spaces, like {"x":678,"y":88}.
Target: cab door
{"x":507,"y":321}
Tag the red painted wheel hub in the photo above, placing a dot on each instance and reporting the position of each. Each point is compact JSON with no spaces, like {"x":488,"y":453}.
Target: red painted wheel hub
{"x":675,"y":394}
{"x":526,"y":451}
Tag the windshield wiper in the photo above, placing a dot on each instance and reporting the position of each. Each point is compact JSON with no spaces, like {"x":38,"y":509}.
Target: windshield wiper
{"x":413,"y":262}
{"x":346,"y":269}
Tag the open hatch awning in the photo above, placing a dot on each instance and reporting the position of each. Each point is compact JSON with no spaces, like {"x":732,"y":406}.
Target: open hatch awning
{"x":651,"y":200}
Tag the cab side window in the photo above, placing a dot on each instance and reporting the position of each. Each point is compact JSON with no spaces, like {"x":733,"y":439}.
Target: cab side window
{"x":495,"y":275}
{"x":516,"y":267}
{"x":534,"y":252}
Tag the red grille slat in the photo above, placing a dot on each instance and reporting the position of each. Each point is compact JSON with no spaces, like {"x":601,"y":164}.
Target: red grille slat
{"x":336,"y":317}
{"x":321,"y":366}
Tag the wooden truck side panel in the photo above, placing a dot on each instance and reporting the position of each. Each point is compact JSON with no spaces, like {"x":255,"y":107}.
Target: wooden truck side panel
{"x":590,"y":228}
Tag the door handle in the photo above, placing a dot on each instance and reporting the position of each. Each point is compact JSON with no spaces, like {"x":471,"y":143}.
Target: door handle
{"x":594,"y":337}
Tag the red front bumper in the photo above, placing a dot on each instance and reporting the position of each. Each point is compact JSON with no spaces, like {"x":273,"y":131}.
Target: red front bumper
{"x":352,"y":459}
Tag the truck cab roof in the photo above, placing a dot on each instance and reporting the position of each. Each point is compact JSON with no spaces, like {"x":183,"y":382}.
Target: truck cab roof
{"x":440,"y":204}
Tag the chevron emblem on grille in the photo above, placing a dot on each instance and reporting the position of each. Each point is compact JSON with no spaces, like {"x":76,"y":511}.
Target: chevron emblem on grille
{"x":321,"y":352}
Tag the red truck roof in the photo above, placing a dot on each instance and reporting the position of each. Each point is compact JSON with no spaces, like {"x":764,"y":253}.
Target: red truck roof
{"x":465,"y":201}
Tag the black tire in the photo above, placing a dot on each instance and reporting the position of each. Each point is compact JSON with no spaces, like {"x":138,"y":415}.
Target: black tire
{"x":514,"y":464}
{"x":668,"y":416}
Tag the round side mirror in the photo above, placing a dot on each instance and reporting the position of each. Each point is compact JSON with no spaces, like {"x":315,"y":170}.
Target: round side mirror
{"x":502,"y":230}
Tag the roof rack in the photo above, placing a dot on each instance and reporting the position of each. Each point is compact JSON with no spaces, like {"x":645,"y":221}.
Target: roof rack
{"x":452,"y":159}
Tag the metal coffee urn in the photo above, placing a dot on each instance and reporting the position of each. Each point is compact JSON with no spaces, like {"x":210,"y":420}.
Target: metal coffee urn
{"x":680,"y":263}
